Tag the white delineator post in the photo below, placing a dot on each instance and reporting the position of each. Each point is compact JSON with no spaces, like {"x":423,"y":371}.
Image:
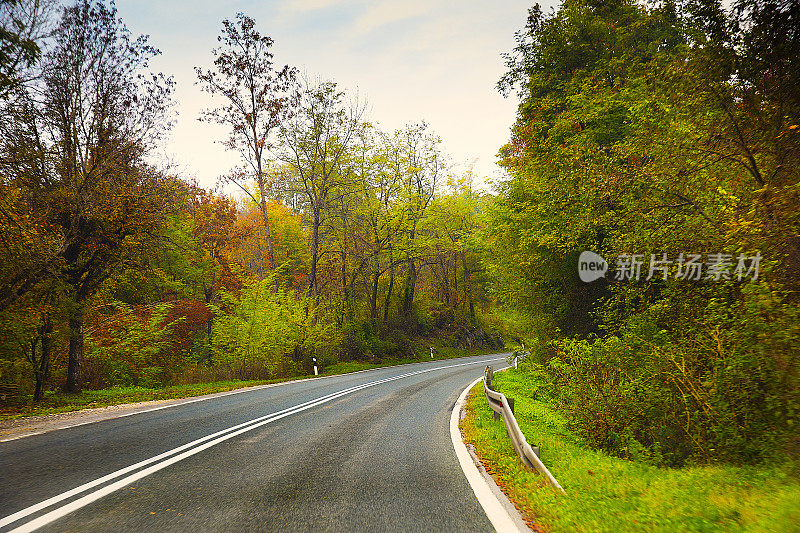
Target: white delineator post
{"x":316,"y":369}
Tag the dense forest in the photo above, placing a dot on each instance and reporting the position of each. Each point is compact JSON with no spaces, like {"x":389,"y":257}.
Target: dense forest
{"x":663,"y":137}
{"x":344,"y":242}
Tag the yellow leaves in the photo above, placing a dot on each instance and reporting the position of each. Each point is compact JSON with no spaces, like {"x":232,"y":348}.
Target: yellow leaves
{"x":794,"y":128}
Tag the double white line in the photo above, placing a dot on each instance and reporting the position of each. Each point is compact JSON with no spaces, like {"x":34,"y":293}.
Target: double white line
{"x":167,"y":458}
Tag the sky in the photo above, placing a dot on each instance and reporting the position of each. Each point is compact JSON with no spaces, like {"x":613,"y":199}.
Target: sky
{"x":411,"y":60}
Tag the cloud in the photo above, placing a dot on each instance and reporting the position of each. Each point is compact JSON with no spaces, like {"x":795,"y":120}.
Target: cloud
{"x":303,"y":6}
{"x":379,"y":15}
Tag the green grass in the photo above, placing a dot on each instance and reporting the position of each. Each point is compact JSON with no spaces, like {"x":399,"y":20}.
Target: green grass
{"x":605,"y":493}
{"x":60,"y":402}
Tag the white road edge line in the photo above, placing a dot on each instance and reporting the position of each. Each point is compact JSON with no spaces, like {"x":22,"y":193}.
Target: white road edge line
{"x":188,"y":450}
{"x":494,"y":509}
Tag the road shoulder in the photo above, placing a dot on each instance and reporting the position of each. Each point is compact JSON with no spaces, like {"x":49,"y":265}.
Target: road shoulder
{"x":498,"y":508}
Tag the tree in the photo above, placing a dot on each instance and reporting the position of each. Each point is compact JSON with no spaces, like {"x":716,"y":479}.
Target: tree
{"x":424,"y":165}
{"x":649,"y":130}
{"x":23,"y":24}
{"x":28,"y":333}
{"x":28,"y":244}
{"x":451,"y":226}
{"x":378,"y":207}
{"x":289,"y":244}
{"x":259,"y":97}
{"x":315,"y":148}
{"x":213,"y":217}
{"x":76,"y":157}
{"x":581,"y":69}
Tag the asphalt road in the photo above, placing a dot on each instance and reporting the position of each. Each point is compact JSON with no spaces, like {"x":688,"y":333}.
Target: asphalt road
{"x":369,"y":451}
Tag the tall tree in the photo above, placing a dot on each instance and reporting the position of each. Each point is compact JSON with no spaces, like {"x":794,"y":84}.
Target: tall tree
{"x":289,"y":242}
{"x":316,"y":144}
{"x":424,"y":167}
{"x":29,"y":248}
{"x":380,"y":185}
{"x":259,"y":98}
{"x":23,"y":24}
{"x":84,"y":133}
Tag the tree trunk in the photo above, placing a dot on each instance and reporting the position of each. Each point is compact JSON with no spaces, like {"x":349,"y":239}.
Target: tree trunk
{"x":75,"y":358}
{"x":268,"y":232}
{"x":43,"y":373}
{"x":345,"y":286}
{"x":389,"y":291}
{"x":410,"y":289}
{"x":208,"y":293}
{"x":373,"y":302}
{"x":313,"y":288}
{"x":455,"y":282}
{"x":468,"y":288}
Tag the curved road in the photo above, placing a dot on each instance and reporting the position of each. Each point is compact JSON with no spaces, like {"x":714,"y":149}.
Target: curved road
{"x":357,"y":452}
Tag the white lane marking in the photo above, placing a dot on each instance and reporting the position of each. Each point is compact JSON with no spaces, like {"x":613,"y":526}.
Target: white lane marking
{"x":188,"y":450}
{"x":494,"y":510}
{"x":77,"y":490}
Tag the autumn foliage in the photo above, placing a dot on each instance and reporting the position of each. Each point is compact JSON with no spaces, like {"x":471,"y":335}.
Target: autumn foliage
{"x":346,"y":242}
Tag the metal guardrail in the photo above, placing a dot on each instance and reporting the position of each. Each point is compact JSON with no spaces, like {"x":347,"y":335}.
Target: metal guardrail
{"x":504,"y":407}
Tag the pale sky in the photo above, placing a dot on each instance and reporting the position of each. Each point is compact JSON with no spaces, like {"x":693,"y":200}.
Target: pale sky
{"x":435,"y":60}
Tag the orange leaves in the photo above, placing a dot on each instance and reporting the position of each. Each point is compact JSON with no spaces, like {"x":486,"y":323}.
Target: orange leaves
{"x":213,"y":217}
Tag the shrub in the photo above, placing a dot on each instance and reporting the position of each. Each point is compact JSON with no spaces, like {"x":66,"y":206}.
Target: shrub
{"x":720,"y":384}
{"x":130,"y":347}
{"x":263,"y":329}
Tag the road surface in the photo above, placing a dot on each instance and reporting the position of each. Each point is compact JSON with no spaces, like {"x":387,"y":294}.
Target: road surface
{"x":368,"y":451}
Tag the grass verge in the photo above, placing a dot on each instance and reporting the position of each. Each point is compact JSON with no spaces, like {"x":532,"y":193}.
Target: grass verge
{"x":60,"y":402}
{"x":605,"y":493}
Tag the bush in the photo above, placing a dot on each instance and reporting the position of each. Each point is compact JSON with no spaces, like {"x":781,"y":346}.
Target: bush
{"x":721,"y":384}
{"x":130,"y":347}
{"x":360,"y":342}
{"x":263,"y":330}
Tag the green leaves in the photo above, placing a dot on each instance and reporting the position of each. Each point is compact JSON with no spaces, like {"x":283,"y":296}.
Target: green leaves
{"x":644,"y":131}
{"x":258,"y":331}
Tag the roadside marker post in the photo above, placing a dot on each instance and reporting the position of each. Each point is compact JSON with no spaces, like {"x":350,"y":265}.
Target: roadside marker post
{"x":316,"y":369}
